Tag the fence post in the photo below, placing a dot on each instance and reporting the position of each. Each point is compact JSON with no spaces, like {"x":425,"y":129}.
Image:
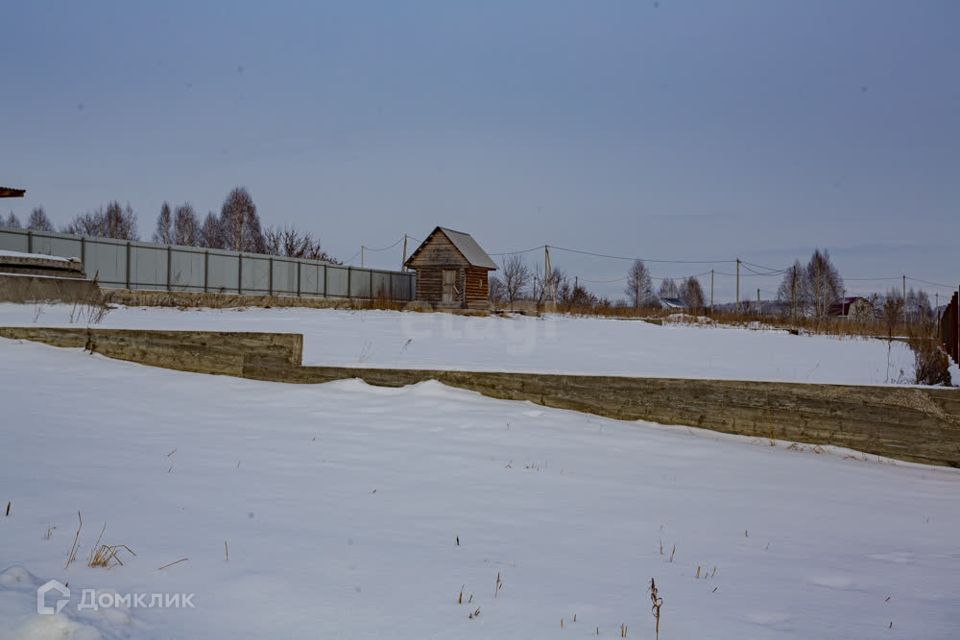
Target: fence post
{"x":127,"y":269}
{"x":169,"y":255}
{"x":83,"y":252}
{"x":240,"y":274}
{"x":299,"y":269}
{"x":349,"y":283}
{"x":324,"y":281}
{"x":206,"y":270}
{"x":29,"y":241}
{"x":270,"y":276}
{"x":371,"y":286}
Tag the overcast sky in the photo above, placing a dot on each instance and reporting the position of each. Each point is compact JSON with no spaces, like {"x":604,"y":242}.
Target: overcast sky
{"x":671,"y":129}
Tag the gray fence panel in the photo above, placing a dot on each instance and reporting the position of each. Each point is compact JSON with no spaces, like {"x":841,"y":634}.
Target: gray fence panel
{"x":311,"y":279}
{"x":256,"y":275}
{"x":148,"y":267}
{"x":105,"y":261}
{"x":186,"y":269}
{"x":10,"y":241}
{"x":337,"y":282}
{"x":223,"y":273}
{"x":285,"y":276}
{"x":381,"y":285}
{"x":359,"y":284}
{"x":56,"y":245}
{"x":401,"y":286}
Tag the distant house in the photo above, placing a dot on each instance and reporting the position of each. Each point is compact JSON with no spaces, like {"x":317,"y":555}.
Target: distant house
{"x":673,"y":303}
{"x":452,"y":271}
{"x":852,"y":308}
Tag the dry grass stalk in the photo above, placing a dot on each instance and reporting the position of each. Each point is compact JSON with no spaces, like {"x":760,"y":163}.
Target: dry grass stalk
{"x":76,"y":539}
{"x":226,"y":552}
{"x":499,"y":585}
{"x":106,"y":555}
{"x":170,"y":564}
{"x":673,"y":552}
{"x":656,"y":602}
{"x":9,"y":504}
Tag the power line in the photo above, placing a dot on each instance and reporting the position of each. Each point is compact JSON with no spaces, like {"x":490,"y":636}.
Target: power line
{"x":633,"y":259}
{"x":933,"y":284}
{"x":513,"y":253}
{"x":399,"y":240}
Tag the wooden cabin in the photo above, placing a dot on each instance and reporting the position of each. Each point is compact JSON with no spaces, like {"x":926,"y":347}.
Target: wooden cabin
{"x":452,"y":271}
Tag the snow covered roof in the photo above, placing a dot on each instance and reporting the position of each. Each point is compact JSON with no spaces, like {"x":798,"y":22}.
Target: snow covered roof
{"x":672,"y":303}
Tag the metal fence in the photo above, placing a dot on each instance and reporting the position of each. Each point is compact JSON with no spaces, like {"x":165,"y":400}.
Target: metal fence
{"x":161,"y":267}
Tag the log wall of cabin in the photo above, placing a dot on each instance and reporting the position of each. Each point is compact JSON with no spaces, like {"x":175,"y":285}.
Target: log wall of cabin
{"x":476,"y":286}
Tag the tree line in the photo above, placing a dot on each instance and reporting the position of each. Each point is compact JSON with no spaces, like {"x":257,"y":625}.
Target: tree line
{"x":518,"y":282}
{"x":811,"y":290}
{"x":237,"y":228}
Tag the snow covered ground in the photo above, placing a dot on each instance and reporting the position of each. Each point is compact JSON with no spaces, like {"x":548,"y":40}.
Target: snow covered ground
{"x":342,"y":504}
{"x":4,"y":253}
{"x":558,"y":344}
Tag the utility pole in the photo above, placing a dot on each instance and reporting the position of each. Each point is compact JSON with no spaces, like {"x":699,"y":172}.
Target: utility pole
{"x":904,"y":299}
{"x":403,"y":263}
{"x":738,"y":285}
{"x":549,"y":291}
{"x":711,"y":290}
{"x":361,"y":256}
{"x":793,"y":293}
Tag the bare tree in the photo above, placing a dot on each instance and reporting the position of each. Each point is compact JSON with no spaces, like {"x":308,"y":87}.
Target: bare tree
{"x":186,"y":228}
{"x":516,"y":277}
{"x":497,"y":290}
{"x":39,"y":221}
{"x":211,"y":235}
{"x":114,"y":222}
{"x":824,"y":284}
{"x":12,"y":221}
{"x":793,"y":294}
{"x":639,"y":287}
{"x":575,"y":297}
{"x":918,"y":308}
{"x":164,"y":231}
{"x":892,"y":311}
{"x":692,"y":294}
{"x":668,"y":289}
{"x":294,"y":244}
{"x":239,"y":222}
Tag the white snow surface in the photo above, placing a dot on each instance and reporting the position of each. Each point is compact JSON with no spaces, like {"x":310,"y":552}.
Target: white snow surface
{"x":21,"y":254}
{"x":555,"y":344}
{"x":342,"y":505}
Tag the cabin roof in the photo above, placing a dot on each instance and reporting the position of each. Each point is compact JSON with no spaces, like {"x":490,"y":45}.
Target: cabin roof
{"x":464,"y":243}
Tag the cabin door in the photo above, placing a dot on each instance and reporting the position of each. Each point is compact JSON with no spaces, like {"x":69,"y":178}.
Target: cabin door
{"x":449,"y":293}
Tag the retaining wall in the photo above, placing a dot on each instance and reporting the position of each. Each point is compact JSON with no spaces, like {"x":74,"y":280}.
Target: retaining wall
{"x":908,"y":423}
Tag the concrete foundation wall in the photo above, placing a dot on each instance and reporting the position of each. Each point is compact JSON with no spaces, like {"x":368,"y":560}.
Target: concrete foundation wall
{"x":915,"y":424}
{"x":24,"y":288}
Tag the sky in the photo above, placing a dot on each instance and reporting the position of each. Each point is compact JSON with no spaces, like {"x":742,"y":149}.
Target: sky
{"x":674,"y":130}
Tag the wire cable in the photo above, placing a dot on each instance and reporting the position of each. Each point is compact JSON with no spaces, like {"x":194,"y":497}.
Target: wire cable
{"x":632,"y":259}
